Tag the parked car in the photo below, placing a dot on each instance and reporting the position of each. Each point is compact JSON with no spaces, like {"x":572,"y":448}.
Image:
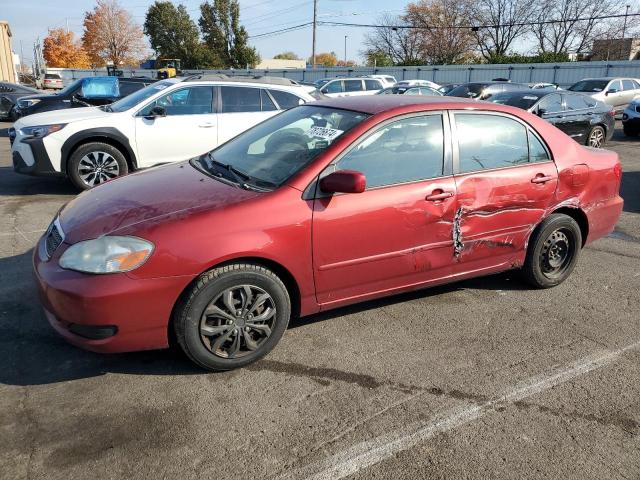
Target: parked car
{"x":84,"y":92}
{"x":631,"y":119}
{"x":9,"y":94}
{"x":293,"y":216}
{"x":580,"y":116}
{"x":417,"y":83}
{"x":349,"y":87}
{"x":410,"y":91}
{"x":447,"y":87}
{"x":484,"y":90}
{"x":167,"y":121}
{"x":52,"y":81}
{"x":387,"y":80}
{"x":323,"y":81}
{"x":617,"y":92}
{"x":544,"y":86}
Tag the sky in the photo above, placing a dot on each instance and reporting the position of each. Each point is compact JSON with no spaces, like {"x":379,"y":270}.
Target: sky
{"x":30,"y":19}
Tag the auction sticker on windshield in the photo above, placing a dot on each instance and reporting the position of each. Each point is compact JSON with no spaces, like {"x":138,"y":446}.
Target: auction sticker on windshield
{"x":324,"y":133}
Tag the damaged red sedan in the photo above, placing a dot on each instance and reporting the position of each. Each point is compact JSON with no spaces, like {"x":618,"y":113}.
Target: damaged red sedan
{"x":321,"y":206}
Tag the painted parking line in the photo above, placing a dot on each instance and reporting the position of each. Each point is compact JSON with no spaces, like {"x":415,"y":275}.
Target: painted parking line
{"x":366,"y":454}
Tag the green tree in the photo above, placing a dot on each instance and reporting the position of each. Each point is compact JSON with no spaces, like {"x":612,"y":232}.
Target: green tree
{"x":172,"y":34}
{"x":222,"y":33}
{"x":377,"y":58}
{"x":287,"y":56}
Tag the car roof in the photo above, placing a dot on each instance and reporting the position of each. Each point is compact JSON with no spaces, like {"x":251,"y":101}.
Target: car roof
{"x":373,"y":104}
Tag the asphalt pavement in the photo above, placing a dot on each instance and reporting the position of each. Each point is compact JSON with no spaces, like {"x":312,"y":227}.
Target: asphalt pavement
{"x":481,"y":379}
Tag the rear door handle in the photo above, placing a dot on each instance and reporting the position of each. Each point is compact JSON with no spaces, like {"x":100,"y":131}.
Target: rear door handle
{"x":439,"y":195}
{"x":207,"y":125}
{"x":540,"y":178}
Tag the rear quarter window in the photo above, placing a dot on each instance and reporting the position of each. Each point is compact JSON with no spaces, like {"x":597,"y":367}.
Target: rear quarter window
{"x":285,"y":100}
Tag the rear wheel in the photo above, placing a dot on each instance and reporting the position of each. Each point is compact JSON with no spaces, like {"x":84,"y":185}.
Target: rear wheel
{"x":95,"y":163}
{"x":597,"y":137}
{"x":553,"y":251}
{"x":232,"y":316}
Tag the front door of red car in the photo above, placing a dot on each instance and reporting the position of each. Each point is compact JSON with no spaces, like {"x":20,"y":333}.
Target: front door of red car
{"x":396,"y":233}
{"x":505,"y":180}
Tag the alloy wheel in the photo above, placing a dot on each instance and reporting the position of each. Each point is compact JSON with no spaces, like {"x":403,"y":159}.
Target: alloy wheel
{"x":596,"y":138}
{"x":97,"y":167}
{"x":238,"y":321}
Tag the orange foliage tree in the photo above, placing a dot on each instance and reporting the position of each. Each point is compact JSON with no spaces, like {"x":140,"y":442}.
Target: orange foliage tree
{"x":60,"y":50}
{"x":325,"y":59}
{"x":112,"y":36}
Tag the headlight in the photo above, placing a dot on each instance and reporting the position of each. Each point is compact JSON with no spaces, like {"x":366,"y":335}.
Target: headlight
{"x":40,"y":131}
{"x":107,"y":255}
{"x":28,"y":102}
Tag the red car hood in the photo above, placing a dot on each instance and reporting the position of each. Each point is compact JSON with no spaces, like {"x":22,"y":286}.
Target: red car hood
{"x":152,"y":195}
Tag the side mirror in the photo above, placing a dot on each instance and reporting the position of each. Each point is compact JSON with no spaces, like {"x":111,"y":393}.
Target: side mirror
{"x":541,"y":112}
{"x":344,"y":181}
{"x":156,"y":111}
{"x":611,"y":90}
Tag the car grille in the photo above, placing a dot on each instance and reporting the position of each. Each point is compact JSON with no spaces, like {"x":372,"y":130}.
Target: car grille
{"x":53,"y":239}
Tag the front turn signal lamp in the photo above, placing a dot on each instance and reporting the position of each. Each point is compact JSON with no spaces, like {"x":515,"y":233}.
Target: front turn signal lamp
{"x":108,"y":254}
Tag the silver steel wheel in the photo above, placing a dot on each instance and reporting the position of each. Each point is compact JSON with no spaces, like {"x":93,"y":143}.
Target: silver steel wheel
{"x":97,"y":167}
{"x":596,"y":138}
{"x":238,"y":321}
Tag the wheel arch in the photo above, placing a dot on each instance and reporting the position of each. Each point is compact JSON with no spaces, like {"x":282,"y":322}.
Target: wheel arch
{"x":280,"y":270}
{"x":111,"y":136}
{"x":580,"y":217}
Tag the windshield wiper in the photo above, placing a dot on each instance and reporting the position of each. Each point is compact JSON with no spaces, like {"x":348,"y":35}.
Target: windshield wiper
{"x":107,"y":108}
{"x":237,"y":175}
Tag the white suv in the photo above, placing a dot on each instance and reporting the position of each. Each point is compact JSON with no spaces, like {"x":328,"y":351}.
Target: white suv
{"x":167,"y":121}
{"x":348,"y":87}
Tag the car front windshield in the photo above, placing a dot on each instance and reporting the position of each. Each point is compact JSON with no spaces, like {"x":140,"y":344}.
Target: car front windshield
{"x":589,"y":86}
{"x":141,"y":95}
{"x":273,"y":151}
{"x":469,"y":90}
{"x":520,"y":100}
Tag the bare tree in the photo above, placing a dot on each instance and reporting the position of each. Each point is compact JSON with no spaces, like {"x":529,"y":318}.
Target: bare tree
{"x":578,"y":24}
{"x":441,"y":29}
{"x":508,"y":20}
{"x":399,"y":44}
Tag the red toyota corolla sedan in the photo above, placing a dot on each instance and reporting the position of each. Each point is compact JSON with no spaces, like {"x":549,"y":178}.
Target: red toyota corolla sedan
{"x":324,"y":205}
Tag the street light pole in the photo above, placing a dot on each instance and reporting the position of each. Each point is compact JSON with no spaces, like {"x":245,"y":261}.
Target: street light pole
{"x":313,"y":45}
{"x":624,"y":29}
{"x":345,"y":50}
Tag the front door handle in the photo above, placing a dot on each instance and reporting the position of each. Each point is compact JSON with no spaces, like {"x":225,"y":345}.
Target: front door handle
{"x":439,"y":195}
{"x":207,"y":125}
{"x":540,"y":178}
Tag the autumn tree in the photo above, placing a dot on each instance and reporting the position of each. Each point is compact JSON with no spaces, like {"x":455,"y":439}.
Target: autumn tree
{"x":111,"y":35}
{"x":287,"y":56}
{"x":222,"y":33}
{"x":325,"y":59}
{"x":61,"y":50}
{"x":503,"y":22}
{"x":173,"y":34}
{"x":441,"y":30}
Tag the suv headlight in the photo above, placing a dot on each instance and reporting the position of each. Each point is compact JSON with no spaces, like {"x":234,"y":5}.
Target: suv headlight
{"x":107,"y":255}
{"x":40,"y":131}
{"x":26,"y":103}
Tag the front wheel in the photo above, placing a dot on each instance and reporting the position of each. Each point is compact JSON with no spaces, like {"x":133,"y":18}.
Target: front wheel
{"x":597,"y":137}
{"x":553,"y":251}
{"x":95,"y":163}
{"x":232,"y":316}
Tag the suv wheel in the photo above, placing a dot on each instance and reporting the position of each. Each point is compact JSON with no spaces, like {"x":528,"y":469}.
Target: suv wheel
{"x":597,"y":137}
{"x":95,"y":163}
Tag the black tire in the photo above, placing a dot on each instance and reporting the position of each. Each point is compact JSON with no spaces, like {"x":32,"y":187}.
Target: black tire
{"x":542,"y":268}
{"x":630,"y":131}
{"x":189,"y":317}
{"x":597,"y":137}
{"x":114,"y":164}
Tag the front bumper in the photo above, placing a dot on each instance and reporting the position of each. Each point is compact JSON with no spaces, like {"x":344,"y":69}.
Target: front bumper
{"x":30,"y":157}
{"x":106,"y":313}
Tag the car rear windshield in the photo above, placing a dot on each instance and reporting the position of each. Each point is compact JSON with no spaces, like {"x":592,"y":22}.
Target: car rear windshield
{"x":468,"y":90}
{"x":52,"y":76}
{"x":524,"y":100}
{"x":270,"y":153}
{"x":134,"y":99}
{"x":589,"y":86}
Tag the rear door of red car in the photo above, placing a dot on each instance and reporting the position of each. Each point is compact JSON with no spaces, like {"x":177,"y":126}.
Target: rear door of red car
{"x":397,"y":232}
{"x":505,"y":180}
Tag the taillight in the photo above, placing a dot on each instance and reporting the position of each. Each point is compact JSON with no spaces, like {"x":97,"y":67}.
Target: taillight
{"x":611,"y":113}
{"x":617,"y":170}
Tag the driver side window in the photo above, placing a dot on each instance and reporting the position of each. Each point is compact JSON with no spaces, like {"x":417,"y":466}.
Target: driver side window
{"x":403,"y":151}
{"x":184,"y":101}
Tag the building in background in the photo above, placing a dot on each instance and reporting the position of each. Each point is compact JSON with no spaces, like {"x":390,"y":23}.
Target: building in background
{"x":616,"y":49}
{"x":8,"y":71}
{"x":280,"y":64}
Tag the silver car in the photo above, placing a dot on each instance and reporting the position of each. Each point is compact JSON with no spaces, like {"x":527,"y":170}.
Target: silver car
{"x":617,"y":92}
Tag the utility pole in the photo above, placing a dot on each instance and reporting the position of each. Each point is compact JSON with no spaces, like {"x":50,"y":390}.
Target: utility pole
{"x":624,"y":29}
{"x":21,"y":57}
{"x":345,"y":50}
{"x":67,"y":22}
{"x":313,"y":45}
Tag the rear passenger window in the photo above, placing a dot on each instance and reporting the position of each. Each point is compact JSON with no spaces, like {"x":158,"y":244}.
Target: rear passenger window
{"x":240,"y":99}
{"x":404,"y":151}
{"x":537,"y":152}
{"x":490,"y":141}
{"x":372,"y":85}
{"x":286,"y":100}
{"x":575,"y":102}
{"x":352,"y":85}
{"x":551,"y":104}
